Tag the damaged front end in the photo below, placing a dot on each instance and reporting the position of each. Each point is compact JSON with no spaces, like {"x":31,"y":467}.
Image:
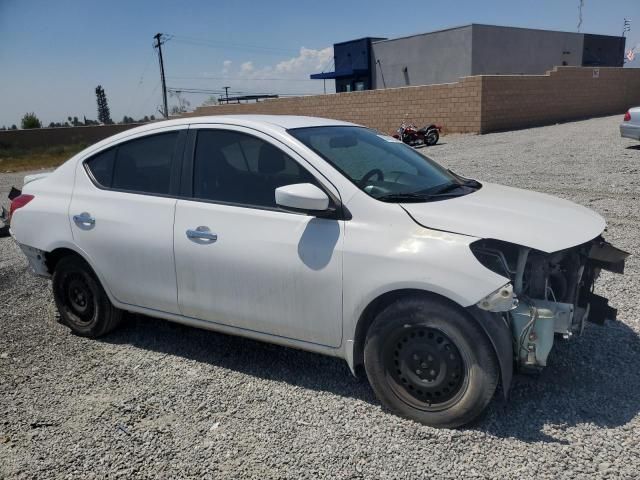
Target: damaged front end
{"x":550,"y":294}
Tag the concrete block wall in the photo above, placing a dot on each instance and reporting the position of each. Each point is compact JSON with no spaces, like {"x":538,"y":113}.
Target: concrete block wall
{"x":456,"y":106}
{"x":50,"y":137}
{"x":563,"y":94}
{"x":475,"y":104}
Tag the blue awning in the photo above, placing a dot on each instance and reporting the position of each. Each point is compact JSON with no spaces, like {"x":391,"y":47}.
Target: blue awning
{"x":346,"y":72}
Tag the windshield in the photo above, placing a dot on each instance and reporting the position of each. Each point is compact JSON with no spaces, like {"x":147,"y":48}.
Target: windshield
{"x":382,"y":166}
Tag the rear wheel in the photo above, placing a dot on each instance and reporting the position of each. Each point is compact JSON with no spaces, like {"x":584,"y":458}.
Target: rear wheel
{"x":432,"y":137}
{"x":428,"y":361}
{"x":82,"y":302}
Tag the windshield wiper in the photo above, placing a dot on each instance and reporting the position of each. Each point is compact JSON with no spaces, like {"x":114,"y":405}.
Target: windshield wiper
{"x":403,"y":197}
{"x":446,"y":188}
{"x":445,"y":191}
{"x":467,"y":182}
{"x":415,"y":197}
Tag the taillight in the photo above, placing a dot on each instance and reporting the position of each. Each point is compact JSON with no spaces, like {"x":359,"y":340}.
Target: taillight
{"x":627,"y":117}
{"x":19,"y":202}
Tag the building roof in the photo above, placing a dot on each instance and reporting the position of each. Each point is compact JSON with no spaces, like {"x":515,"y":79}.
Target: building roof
{"x":469,"y":25}
{"x":373,"y":39}
{"x":340,"y":73}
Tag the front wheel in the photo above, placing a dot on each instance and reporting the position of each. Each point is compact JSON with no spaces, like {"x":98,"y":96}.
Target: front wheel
{"x":82,"y":302}
{"x":428,"y":361}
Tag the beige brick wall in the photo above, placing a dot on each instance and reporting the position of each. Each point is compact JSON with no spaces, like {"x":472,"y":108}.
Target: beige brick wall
{"x":456,"y":106}
{"x":565,"y":93}
{"x":477,"y":104}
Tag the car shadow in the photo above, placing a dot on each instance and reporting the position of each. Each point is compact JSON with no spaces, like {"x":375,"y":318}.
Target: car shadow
{"x":633,"y":147}
{"x":591,"y":379}
{"x":582,"y":383}
{"x":424,"y":147}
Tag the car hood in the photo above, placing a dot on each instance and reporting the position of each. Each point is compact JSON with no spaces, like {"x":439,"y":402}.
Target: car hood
{"x":523,"y":217}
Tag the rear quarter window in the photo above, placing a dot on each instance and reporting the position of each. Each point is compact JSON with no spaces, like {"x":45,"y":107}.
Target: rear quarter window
{"x":101,"y":167}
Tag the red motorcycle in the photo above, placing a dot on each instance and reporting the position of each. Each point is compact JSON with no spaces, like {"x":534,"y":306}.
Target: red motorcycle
{"x":414,"y":137}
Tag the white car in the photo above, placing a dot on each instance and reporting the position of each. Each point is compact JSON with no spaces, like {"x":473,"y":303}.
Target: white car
{"x":320,"y":235}
{"x":630,"y":126}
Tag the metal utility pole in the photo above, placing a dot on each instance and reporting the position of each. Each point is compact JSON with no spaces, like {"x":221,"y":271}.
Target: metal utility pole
{"x":226,"y":93}
{"x":580,"y":6}
{"x":384,"y":84}
{"x":158,"y":45}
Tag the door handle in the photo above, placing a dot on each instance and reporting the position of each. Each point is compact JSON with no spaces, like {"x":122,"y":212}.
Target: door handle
{"x":84,"y":219}
{"x":202,"y":233}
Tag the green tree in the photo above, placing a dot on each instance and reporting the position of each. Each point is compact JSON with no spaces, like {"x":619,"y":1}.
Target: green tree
{"x":104,"y":115}
{"x":13,"y":127}
{"x":30,"y":121}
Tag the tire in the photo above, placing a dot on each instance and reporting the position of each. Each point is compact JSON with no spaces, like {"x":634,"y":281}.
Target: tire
{"x":432,"y":137}
{"x":428,"y":361}
{"x":4,"y":231}
{"x":82,"y":302}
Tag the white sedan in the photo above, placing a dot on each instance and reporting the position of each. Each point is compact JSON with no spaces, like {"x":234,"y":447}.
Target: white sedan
{"x":320,"y":235}
{"x":630,"y":126}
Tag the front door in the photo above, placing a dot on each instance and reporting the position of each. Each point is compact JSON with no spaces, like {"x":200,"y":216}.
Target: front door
{"x":244,"y":262}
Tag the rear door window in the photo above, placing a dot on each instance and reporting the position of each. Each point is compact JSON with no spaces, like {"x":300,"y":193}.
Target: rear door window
{"x":142,"y":165}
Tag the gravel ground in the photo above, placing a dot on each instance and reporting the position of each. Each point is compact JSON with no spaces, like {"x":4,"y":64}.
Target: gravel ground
{"x":160,"y":400}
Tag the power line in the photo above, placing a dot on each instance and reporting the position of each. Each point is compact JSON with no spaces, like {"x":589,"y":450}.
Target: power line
{"x":144,"y":102}
{"x":221,"y":92}
{"x":140,"y":82}
{"x":201,"y":90}
{"x":275,"y":79}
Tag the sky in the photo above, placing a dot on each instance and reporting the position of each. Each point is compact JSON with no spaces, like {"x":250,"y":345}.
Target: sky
{"x":54,"y":53}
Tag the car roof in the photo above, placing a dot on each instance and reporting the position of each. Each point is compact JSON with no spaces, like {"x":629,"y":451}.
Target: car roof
{"x":260,"y":122}
{"x":282,"y":121}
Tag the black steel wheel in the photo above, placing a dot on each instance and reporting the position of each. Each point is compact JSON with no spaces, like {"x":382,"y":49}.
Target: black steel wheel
{"x":427,"y":360}
{"x":425,"y":368}
{"x":82,"y":302}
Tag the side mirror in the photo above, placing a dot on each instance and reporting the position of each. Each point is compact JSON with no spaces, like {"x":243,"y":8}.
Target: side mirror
{"x":302,"y":196}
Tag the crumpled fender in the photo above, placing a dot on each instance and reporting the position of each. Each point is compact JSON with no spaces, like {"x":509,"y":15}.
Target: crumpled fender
{"x":499,"y":333}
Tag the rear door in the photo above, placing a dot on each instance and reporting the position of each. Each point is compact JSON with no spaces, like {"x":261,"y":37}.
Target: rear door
{"x":253,"y":265}
{"x":122,"y":214}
